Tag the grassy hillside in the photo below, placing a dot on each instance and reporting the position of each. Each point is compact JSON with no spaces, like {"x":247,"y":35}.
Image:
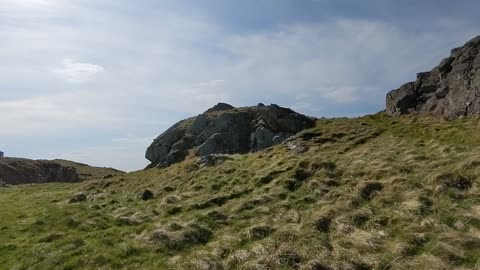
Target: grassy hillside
{"x":87,"y":172}
{"x":370,"y":193}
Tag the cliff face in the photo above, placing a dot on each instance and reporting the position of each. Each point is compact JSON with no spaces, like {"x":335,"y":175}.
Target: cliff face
{"x":450,"y":90}
{"x":228,"y":130}
{"x":15,"y":171}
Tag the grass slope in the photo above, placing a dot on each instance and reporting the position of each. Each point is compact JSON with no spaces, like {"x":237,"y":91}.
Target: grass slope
{"x":87,"y":172}
{"x":370,"y":193}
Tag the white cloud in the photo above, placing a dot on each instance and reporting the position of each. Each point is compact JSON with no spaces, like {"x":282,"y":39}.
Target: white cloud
{"x":344,"y":61}
{"x":147,"y":72}
{"x":343,"y":94}
{"x":77,"y":72}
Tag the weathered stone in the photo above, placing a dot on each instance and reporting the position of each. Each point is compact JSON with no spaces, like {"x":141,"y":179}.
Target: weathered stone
{"x":259,"y":232}
{"x":446,"y":65}
{"x":16,"y":171}
{"x":402,"y":100}
{"x":174,"y":156}
{"x":262,"y":138}
{"x":278,"y":139}
{"x":297,"y":147}
{"x":211,"y":160}
{"x":442,"y":92}
{"x":198,"y":125}
{"x":214,"y":144}
{"x":450,"y":90}
{"x":226,"y":130}
{"x":146,"y":195}
{"x":3,"y":184}
{"x":158,"y":151}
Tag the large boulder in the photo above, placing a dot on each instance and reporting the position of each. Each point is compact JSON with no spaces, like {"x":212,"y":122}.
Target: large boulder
{"x":450,"y":90}
{"x":224,"y":129}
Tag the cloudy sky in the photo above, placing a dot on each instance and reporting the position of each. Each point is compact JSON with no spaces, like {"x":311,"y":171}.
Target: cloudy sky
{"x":96,"y":80}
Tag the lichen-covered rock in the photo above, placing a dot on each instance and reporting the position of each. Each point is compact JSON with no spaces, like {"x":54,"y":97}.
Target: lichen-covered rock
{"x":224,"y":129}
{"x":450,"y":90}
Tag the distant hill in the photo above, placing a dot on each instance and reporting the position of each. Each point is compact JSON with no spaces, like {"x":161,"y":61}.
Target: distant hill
{"x":14,"y":171}
{"x":87,"y":172}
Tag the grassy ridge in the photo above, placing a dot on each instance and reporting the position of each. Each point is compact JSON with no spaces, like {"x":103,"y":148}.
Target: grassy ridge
{"x":87,"y":172}
{"x":369,"y":193}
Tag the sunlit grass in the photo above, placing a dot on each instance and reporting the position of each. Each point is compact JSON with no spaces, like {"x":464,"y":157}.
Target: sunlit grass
{"x":370,"y":193}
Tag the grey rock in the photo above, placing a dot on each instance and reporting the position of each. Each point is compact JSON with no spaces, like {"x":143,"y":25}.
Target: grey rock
{"x":3,"y":184}
{"x":226,"y":130}
{"x":402,"y":100}
{"x":214,"y":144}
{"x":262,"y":138}
{"x":297,"y":147}
{"x":280,"y":138}
{"x":212,"y":160}
{"x":198,"y":125}
{"x":450,"y":90}
{"x":15,"y":171}
{"x":160,"y":148}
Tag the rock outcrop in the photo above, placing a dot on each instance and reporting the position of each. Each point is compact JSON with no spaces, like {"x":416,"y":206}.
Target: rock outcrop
{"x":15,"y":171}
{"x":450,"y":90}
{"x":224,"y":129}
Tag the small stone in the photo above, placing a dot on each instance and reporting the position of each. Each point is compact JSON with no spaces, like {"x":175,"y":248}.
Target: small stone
{"x":79,"y":197}
{"x":147,"y":195}
{"x":297,"y":147}
{"x":369,"y":189}
{"x":212,"y":160}
{"x":259,"y":232}
{"x":323,"y":224}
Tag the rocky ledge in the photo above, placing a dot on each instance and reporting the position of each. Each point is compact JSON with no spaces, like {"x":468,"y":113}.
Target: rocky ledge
{"x":224,"y":129}
{"x":15,"y":171}
{"x":450,"y":90}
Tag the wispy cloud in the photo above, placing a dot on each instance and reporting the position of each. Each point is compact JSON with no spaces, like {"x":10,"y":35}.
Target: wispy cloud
{"x":137,"y":69}
{"x":77,"y":72}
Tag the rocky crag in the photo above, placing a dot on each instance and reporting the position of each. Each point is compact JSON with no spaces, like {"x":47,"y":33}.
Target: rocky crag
{"x":450,"y":90}
{"x":227,"y":130}
{"x":15,"y":171}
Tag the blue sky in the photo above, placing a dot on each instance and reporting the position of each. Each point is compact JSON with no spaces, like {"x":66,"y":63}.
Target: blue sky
{"x":96,"y":80}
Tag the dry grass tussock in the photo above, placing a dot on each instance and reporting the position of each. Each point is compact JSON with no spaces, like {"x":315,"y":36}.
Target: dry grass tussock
{"x":369,"y":193}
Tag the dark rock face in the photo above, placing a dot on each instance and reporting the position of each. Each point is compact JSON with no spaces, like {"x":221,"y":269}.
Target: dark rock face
{"x":450,"y":90}
{"x":224,"y":129}
{"x":15,"y":171}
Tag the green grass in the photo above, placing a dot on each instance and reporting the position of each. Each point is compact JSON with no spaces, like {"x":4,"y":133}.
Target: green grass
{"x":370,"y":193}
{"x":87,"y":172}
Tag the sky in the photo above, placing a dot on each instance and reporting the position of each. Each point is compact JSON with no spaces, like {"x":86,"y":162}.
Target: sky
{"x":96,"y":81}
